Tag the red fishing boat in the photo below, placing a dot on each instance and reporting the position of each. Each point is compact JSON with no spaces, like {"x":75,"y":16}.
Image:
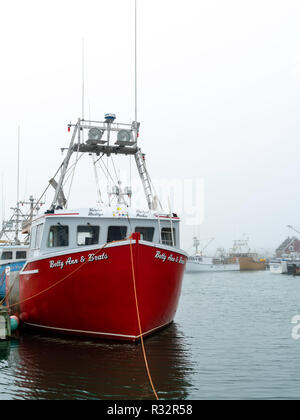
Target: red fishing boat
{"x":112,"y":271}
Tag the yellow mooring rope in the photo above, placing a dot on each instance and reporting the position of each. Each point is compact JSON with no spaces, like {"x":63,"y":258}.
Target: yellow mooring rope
{"x":139,"y":322}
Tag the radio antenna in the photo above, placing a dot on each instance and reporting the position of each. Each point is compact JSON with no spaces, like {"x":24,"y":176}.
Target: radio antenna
{"x":136,"y":87}
{"x":82,"y":86}
{"x":18,"y":189}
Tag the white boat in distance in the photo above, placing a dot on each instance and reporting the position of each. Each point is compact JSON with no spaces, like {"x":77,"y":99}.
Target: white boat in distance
{"x":279,"y":266}
{"x":198,"y":263}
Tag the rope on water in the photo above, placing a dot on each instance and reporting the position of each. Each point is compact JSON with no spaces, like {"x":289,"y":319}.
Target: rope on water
{"x":139,"y":321}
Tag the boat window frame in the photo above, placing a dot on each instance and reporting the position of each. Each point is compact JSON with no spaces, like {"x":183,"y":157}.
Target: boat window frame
{"x":38,"y":235}
{"x":97,"y":227}
{"x":116,"y":226}
{"x":32,"y":237}
{"x":58,"y":226}
{"x":21,"y":252}
{"x":168,"y":242}
{"x":5,"y":253}
{"x":146,"y":228}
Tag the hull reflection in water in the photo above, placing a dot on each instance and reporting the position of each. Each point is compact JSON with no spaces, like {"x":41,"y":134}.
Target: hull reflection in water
{"x":50,"y":367}
{"x":4,"y":351}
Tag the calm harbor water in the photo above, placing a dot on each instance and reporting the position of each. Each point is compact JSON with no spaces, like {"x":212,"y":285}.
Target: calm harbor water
{"x":232,"y":339}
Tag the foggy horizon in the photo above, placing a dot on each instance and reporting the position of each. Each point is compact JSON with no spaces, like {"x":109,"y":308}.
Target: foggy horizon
{"x":218,"y":102}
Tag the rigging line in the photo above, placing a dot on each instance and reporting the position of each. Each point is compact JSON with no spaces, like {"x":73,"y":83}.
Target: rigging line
{"x":99,"y":158}
{"x":72,"y":179}
{"x":108,"y":172}
{"x":154,"y":189}
{"x":97,"y":179}
{"x":104,"y":172}
{"x":44,"y":192}
{"x":115,"y":169}
{"x":71,"y":167}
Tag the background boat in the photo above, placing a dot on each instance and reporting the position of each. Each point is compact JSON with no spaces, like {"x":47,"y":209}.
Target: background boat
{"x":248,"y":260}
{"x":199,"y":263}
{"x":14,"y":241}
{"x":278,"y":266}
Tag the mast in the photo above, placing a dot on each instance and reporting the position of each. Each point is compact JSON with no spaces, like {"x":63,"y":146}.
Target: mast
{"x":82,"y":86}
{"x":135,"y":64}
{"x":196,"y":244}
{"x":126,"y":144}
{"x":58,"y":200}
{"x":19,"y":222}
{"x":139,"y":156}
{"x":18,"y":191}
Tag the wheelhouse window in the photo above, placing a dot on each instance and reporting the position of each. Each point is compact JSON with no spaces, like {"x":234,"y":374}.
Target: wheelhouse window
{"x":21,"y":255}
{"x":7,"y":255}
{"x":168,"y":237}
{"x":32,"y":237}
{"x":87,"y":235}
{"x":147,"y":233}
{"x":38,"y":236}
{"x":58,"y":236}
{"x":116,"y":233}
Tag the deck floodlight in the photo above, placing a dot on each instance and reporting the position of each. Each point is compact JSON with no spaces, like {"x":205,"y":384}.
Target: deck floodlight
{"x":95,"y":136}
{"x":125,"y":138}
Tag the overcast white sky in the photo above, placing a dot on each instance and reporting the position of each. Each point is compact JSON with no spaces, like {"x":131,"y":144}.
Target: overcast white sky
{"x":219,"y":100}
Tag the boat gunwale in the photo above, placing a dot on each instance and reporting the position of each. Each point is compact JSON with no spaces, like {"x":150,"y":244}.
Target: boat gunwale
{"x":103,"y":247}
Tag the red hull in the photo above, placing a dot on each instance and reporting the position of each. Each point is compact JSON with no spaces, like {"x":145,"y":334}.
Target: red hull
{"x":96,"y":298}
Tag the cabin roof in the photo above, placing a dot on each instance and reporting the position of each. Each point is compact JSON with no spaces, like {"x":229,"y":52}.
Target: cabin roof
{"x":120,"y":212}
{"x":13,"y":247}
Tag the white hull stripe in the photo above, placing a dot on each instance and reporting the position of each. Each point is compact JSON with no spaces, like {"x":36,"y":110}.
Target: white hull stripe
{"x":164,"y":247}
{"x":95,"y":332}
{"x":101,"y":248}
{"x":24,"y":273}
{"x":71,"y":251}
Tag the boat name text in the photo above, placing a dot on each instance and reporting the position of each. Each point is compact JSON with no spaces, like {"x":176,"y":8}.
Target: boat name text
{"x":82,"y":259}
{"x":163,"y":257}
